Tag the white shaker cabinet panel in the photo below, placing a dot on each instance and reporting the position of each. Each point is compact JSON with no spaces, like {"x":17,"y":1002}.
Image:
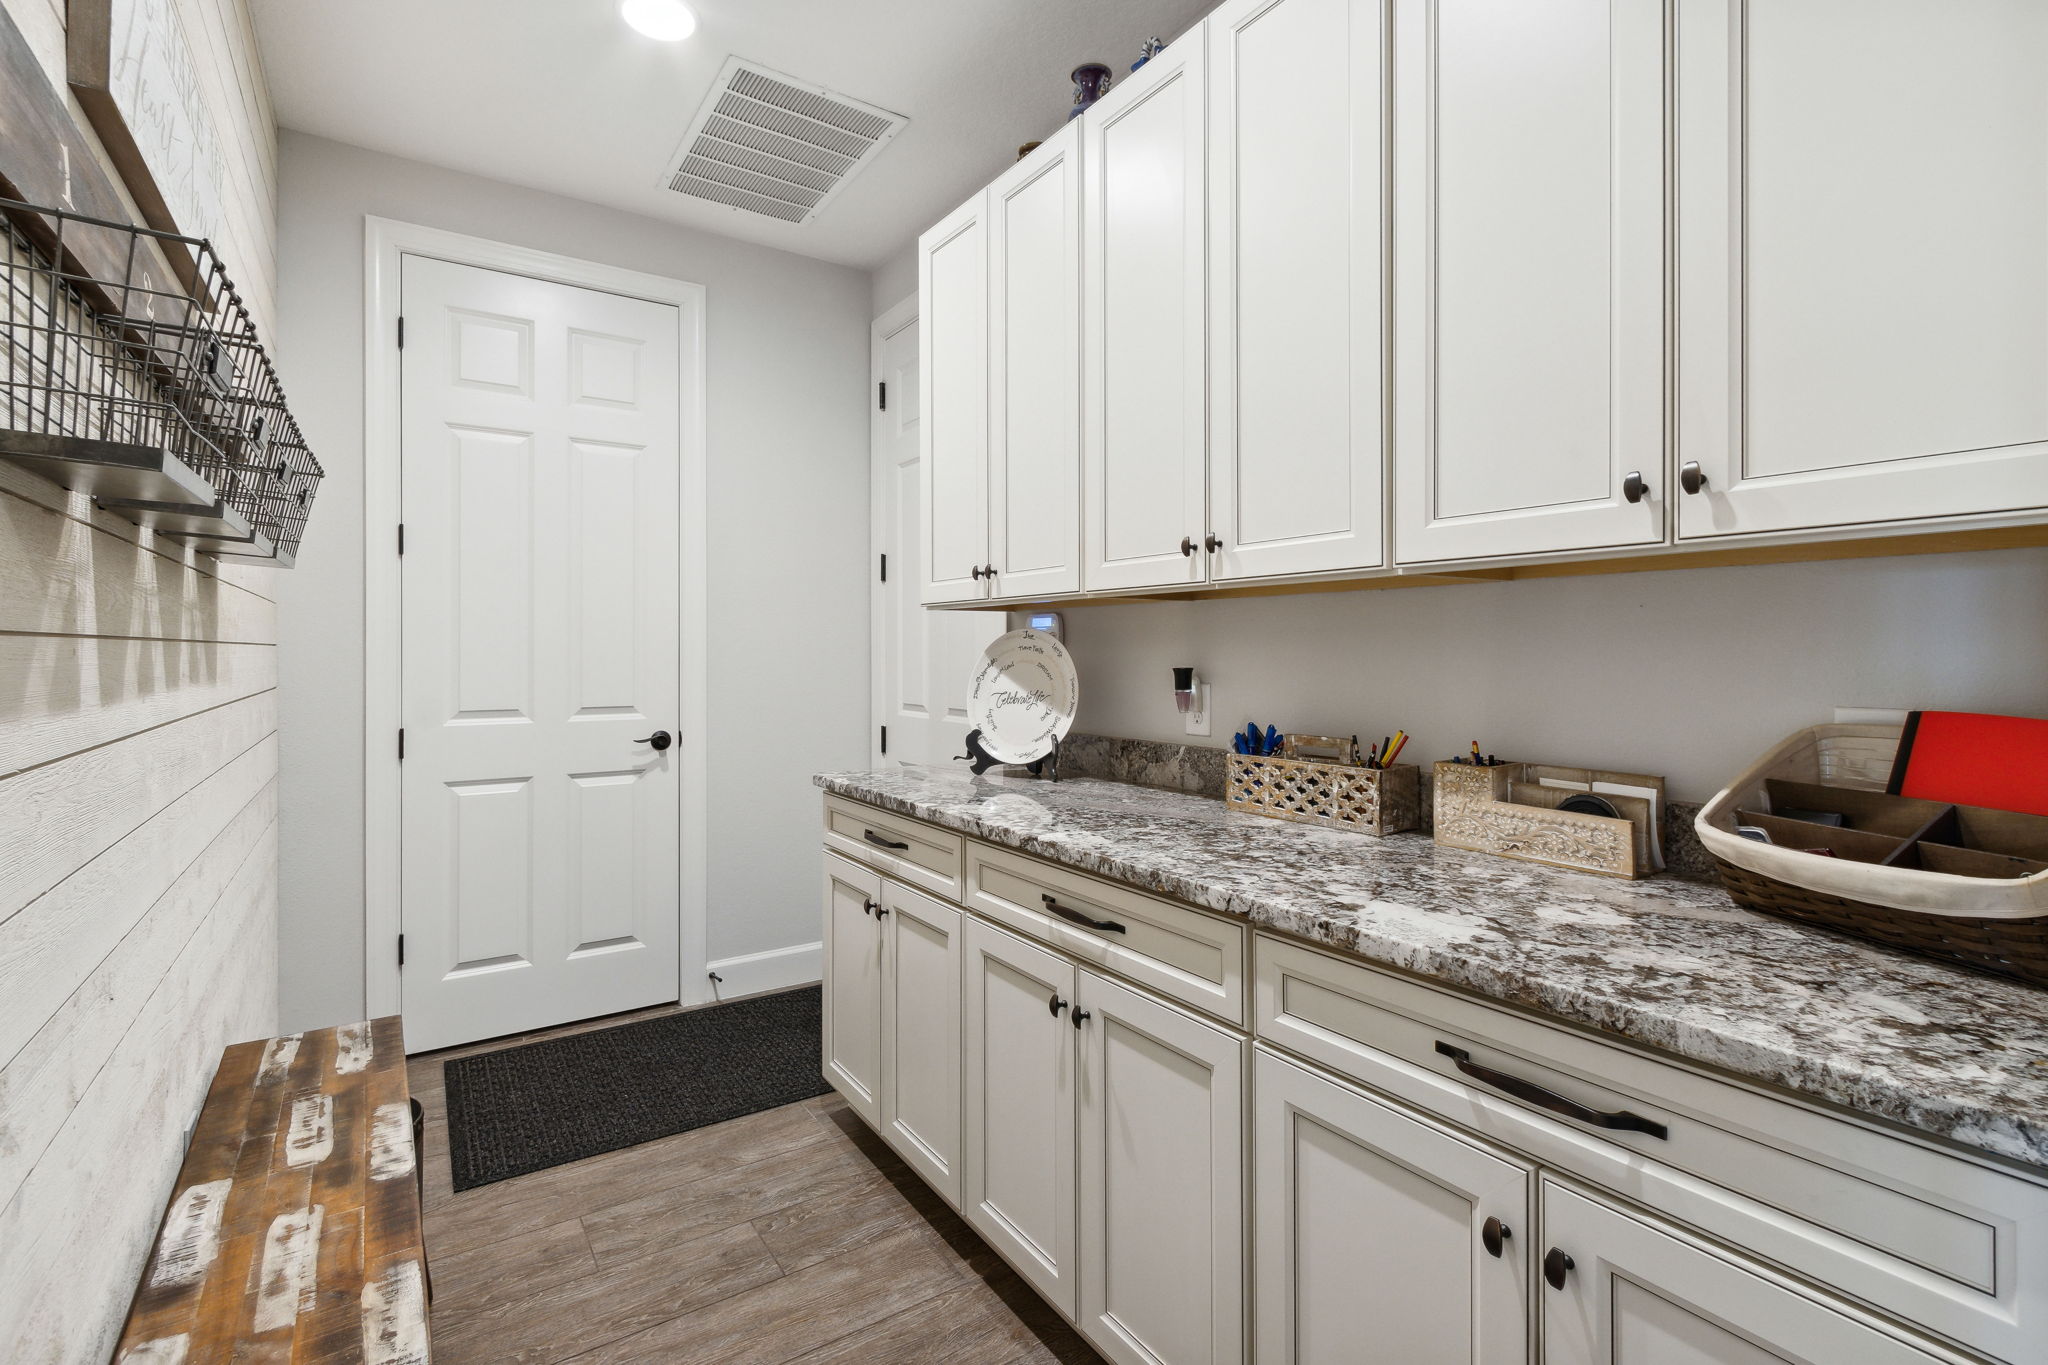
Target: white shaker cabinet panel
{"x":1162,"y":1180}
{"x":1034,"y":440}
{"x":1017,"y":1102}
{"x":1622,"y":1291}
{"x":1297,"y":238}
{"x":1144,"y":405}
{"x":1862,"y":262}
{"x":1529,"y":277}
{"x":853,"y":985}
{"x":920,"y":1113}
{"x":952,"y":287}
{"x":1381,"y":1238}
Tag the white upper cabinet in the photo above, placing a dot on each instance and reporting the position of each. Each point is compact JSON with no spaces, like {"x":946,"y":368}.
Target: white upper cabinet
{"x":1297,"y":236}
{"x":1529,"y":276}
{"x":1144,"y":404}
{"x":952,"y":284}
{"x":1034,"y":366}
{"x":1862,"y":262}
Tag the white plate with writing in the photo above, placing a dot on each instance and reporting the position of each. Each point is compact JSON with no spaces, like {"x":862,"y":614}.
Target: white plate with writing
{"x":1023,"y":696}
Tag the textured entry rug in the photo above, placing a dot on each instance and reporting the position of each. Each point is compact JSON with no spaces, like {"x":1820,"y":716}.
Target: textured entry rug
{"x":527,"y":1108}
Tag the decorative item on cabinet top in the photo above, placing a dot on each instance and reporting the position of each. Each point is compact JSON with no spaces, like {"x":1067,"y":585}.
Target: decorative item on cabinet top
{"x":1542,"y":813}
{"x":1021,"y":702}
{"x":146,"y":385}
{"x":1336,"y":793}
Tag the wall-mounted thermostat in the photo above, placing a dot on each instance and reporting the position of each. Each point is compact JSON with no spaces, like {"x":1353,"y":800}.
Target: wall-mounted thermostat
{"x":1049,"y":622}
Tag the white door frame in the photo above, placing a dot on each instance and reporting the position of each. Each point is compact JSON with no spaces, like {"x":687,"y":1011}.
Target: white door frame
{"x":385,"y":242}
{"x":888,"y":324}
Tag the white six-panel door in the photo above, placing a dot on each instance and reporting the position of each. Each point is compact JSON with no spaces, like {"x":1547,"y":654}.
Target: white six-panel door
{"x":1528,"y":275}
{"x":1034,"y":396}
{"x":1297,"y":236}
{"x":1862,"y":261}
{"x":1017,"y":1105}
{"x":1144,"y":410}
{"x":540,"y":871}
{"x":923,"y":659}
{"x":1162,"y":1180}
{"x":1370,"y":1232}
{"x":952,"y":289}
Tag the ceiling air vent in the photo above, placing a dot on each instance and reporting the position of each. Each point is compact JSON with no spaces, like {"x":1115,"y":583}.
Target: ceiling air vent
{"x":765,"y":143}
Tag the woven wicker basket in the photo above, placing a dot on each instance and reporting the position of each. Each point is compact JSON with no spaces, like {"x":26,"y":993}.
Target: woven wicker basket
{"x":1333,"y":795}
{"x":1993,"y":924}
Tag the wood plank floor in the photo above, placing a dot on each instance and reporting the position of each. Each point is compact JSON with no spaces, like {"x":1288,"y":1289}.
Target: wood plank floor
{"x":793,"y":1235}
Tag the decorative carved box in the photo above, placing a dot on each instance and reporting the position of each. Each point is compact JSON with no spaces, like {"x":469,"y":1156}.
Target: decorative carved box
{"x":1504,"y":809}
{"x":1333,"y":795}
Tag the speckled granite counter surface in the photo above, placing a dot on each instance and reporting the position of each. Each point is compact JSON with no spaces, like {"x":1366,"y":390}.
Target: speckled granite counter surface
{"x":1667,"y":963}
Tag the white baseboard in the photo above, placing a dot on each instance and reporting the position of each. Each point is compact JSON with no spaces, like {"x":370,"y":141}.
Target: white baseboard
{"x":771,"y":971}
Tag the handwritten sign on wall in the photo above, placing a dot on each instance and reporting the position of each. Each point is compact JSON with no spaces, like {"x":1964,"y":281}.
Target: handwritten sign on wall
{"x":133,"y":71}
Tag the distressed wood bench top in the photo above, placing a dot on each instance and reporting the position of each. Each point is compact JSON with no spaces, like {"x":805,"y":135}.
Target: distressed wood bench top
{"x":293,"y":1234}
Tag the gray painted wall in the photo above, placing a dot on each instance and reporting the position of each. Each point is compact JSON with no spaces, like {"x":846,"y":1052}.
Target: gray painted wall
{"x":787,"y":343}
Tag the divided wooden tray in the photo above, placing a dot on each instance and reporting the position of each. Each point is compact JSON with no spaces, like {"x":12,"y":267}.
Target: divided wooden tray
{"x":1956,"y":882}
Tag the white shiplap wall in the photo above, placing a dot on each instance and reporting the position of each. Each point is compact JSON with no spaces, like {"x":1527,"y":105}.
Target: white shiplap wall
{"x":138,"y":819}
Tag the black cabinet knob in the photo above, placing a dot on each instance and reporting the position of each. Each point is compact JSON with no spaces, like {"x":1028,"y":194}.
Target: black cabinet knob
{"x":867,"y":907}
{"x":1556,"y":1265}
{"x":1187,"y":546}
{"x":1492,"y":1234}
{"x":660,"y":739}
{"x":976,"y":571}
{"x":1079,"y":1017}
{"x":1691,"y":477}
{"x":1212,"y":542}
{"x":1055,"y":1004}
{"x":1635,"y":488}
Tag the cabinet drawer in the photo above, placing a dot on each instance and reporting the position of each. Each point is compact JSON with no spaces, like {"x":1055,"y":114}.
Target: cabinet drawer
{"x":920,"y":855}
{"x":1189,"y":956}
{"x":1957,"y":1246}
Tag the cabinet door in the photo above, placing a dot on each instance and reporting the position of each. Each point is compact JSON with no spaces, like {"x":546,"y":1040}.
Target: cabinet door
{"x":1162,"y":1181}
{"x":1528,"y":276}
{"x":1143,"y":388}
{"x":1017,"y":1162}
{"x":1297,"y":203}
{"x":853,"y":985}
{"x":952,"y":288}
{"x":1370,"y":1236}
{"x":1862,"y":262}
{"x":1034,"y":438}
{"x":921,"y":1035}
{"x":1638,"y":1295}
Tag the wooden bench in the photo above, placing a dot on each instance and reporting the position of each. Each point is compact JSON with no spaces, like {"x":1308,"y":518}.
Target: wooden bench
{"x":293,"y":1233}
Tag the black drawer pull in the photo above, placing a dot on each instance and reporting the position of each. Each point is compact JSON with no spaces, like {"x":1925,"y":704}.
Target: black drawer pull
{"x":879,"y":842}
{"x":1055,"y":1004}
{"x":1493,"y":1235}
{"x":1550,"y":1099}
{"x":1557,"y":1262}
{"x":1107,"y":926}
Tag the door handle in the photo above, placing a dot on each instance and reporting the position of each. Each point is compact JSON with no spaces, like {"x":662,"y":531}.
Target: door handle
{"x":1635,"y":488}
{"x":879,"y":842}
{"x":660,"y":739}
{"x":1556,"y":1264}
{"x":1550,"y":1099}
{"x":1492,"y":1234}
{"x":1055,"y":1004}
{"x":1107,"y":926}
{"x":1691,"y":477}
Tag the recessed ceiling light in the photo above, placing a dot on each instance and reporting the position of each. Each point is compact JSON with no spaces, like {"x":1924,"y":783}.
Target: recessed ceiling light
{"x":670,"y":21}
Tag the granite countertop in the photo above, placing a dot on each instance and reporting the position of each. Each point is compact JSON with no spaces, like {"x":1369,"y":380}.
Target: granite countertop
{"x":1667,"y":963}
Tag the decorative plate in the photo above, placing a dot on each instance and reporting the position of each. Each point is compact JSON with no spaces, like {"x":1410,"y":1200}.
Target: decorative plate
{"x":1023,"y":696}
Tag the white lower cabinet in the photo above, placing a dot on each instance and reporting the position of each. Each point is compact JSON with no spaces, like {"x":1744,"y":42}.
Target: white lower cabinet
{"x":853,"y":985}
{"x":1381,"y":1238}
{"x":1017,"y":1166}
{"x":1162,"y":1180}
{"x":921,"y":1034}
{"x":1620,"y":1290}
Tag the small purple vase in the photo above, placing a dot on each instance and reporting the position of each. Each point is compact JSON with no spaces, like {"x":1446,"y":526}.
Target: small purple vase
{"x":1091,"y":83}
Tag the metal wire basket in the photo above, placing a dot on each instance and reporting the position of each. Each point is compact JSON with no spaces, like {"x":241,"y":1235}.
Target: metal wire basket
{"x":133,"y":372}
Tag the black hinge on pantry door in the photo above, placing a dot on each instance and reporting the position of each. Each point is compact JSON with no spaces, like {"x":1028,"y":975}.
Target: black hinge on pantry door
{"x":882,"y":394}
{"x":401,"y":950}
{"x":401,"y":331}
{"x":885,"y":739}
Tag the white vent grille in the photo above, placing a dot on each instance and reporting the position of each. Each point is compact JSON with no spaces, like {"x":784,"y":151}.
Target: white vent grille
{"x":769,"y":144}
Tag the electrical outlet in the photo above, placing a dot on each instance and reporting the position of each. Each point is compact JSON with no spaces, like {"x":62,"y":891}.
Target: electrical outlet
{"x":1198,"y":719}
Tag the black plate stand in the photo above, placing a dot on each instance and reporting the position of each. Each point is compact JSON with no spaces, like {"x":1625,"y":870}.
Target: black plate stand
{"x":983,"y":760}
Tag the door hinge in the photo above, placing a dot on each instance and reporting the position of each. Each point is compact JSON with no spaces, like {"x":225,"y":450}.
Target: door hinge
{"x":885,"y":739}
{"x":401,"y":746}
{"x":885,"y":568}
{"x":401,"y":537}
{"x":401,"y":950}
{"x":882,"y":394}
{"x":401,"y":331}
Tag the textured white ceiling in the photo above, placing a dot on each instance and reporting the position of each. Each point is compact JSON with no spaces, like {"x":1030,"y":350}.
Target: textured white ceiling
{"x":561,"y":96}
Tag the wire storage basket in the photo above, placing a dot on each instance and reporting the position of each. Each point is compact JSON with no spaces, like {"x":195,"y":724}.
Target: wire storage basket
{"x":133,"y":372}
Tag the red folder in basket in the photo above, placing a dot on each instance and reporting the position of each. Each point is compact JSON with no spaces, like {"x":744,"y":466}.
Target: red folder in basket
{"x":1969,"y":759}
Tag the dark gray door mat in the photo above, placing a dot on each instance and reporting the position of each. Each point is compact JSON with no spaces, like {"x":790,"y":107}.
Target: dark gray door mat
{"x":528,"y":1108}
